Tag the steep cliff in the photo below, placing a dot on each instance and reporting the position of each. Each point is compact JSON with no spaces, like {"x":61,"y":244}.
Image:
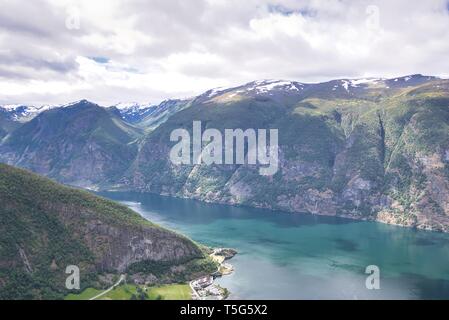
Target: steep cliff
{"x":44,"y":227}
{"x":374,"y":150}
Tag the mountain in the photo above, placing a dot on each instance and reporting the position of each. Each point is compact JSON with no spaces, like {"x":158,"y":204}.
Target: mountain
{"x":133,"y":112}
{"x":6,"y":124}
{"x":160,"y":113}
{"x":79,"y":144}
{"x":45,"y":227}
{"x":23,"y":113}
{"x":372,"y":149}
{"x":375,"y":149}
{"x":148,"y":116}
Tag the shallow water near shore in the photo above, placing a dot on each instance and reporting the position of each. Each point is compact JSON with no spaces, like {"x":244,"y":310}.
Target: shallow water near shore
{"x":300,"y":256}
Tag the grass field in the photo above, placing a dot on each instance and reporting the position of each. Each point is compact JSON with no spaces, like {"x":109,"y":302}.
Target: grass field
{"x":123,"y":292}
{"x":126,"y":292}
{"x":85,"y":295}
{"x":170,"y":292}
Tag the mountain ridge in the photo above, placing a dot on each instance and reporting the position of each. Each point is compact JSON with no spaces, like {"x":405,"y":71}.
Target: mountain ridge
{"x":24,"y":112}
{"x":339,"y":151}
{"x":81,"y":141}
{"x":371,"y":149}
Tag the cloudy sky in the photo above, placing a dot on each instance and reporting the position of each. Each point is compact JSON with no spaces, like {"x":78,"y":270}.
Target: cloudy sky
{"x":56,"y":51}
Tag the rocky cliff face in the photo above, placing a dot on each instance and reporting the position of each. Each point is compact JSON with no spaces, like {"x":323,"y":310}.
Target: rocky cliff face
{"x":374,"y":149}
{"x":117,"y":246}
{"x":376,"y":154}
{"x":45,"y":227}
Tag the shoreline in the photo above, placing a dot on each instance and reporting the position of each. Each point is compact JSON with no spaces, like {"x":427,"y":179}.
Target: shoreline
{"x":205,"y":288}
{"x":348,"y":216}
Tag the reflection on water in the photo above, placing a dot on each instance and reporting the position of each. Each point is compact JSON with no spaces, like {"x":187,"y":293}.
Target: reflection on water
{"x":300,"y":256}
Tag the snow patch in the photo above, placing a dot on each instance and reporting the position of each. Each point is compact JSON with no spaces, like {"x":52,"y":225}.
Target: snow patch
{"x":126,"y":105}
{"x":19,"y":111}
{"x":216,"y":91}
{"x":131,"y":107}
{"x":357,"y":82}
{"x":345,"y":84}
{"x":12,"y":107}
{"x":72,"y":103}
{"x":269,"y":85}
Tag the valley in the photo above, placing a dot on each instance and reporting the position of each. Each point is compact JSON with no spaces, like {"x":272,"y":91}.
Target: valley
{"x":365,"y":150}
{"x":368,"y":149}
{"x":223,"y":154}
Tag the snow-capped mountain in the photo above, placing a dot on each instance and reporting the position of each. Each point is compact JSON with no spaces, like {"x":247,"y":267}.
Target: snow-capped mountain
{"x":23,"y":113}
{"x":161,"y":112}
{"x":265,"y":88}
{"x":258,"y":87}
{"x":133,"y":112}
{"x":353,"y":85}
{"x":341,"y":88}
{"x":277,"y":90}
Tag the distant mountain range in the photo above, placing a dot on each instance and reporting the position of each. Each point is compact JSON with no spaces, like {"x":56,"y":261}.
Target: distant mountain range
{"x":80,"y":144}
{"x":150,"y":115}
{"x":146,"y":115}
{"x":375,"y":149}
{"x":23,"y":113}
{"x":133,"y":112}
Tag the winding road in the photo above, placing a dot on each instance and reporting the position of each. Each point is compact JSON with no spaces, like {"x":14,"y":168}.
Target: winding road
{"x":122,"y":277}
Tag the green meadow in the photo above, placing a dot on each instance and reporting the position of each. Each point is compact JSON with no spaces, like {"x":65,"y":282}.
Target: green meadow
{"x":135,"y":292}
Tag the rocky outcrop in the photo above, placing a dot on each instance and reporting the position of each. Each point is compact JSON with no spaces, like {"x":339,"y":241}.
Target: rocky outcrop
{"x":118,"y":246}
{"x":46,"y":227}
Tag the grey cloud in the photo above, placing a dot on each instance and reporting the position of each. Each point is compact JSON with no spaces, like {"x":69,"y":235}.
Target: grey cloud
{"x":59,"y":65}
{"x":334,"y":42}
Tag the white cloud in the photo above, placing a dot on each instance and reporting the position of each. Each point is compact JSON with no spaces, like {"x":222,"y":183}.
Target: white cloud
{"x":176,"y":48}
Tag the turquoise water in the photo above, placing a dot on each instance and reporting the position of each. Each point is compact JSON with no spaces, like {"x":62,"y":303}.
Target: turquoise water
{"x":300,"y":256}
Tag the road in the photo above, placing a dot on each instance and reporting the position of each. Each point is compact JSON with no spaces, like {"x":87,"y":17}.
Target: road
{"x":194,"y":291}
{"x":122,"y":277}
